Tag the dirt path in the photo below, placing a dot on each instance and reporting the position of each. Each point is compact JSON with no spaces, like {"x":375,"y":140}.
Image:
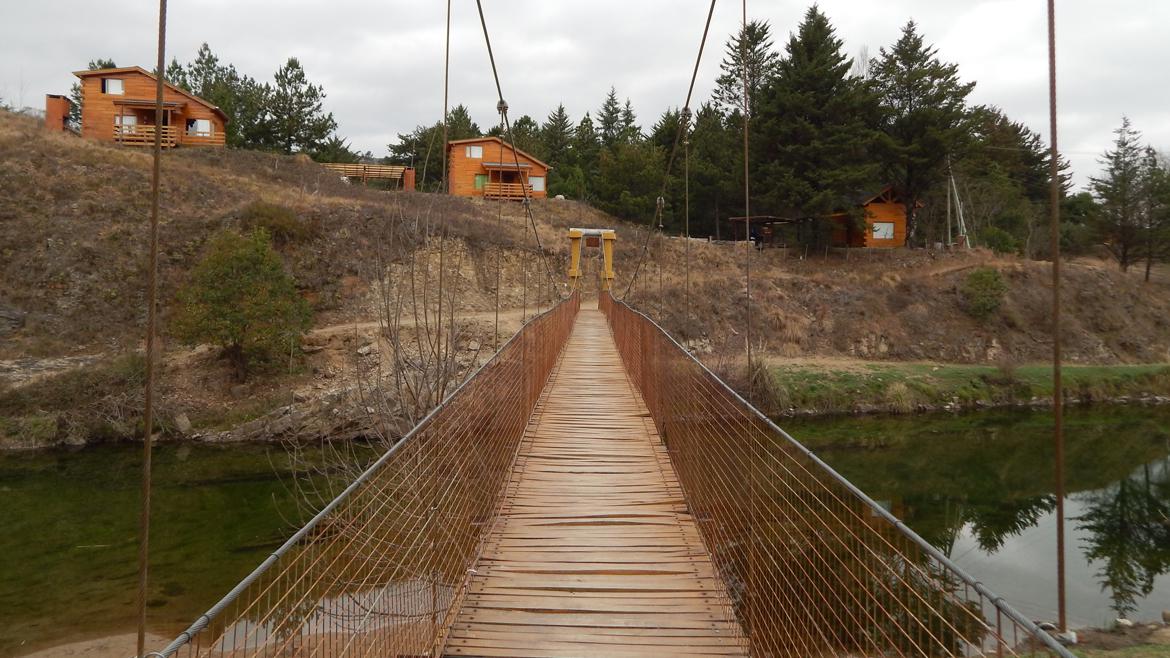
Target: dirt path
{"x":114,"y":646}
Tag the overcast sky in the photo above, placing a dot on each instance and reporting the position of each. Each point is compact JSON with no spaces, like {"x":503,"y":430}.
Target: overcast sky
{"x":380,"y":61}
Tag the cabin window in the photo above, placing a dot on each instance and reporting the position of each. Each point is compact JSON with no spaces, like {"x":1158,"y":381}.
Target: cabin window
{"x":112,"y":86}
{"x":480,"y":181}
{"x":883,"y":230}
{"x":537,"y":183}
{"x":475,"y":152}
{"x":199,"y":127}
{"x":126,"y":121}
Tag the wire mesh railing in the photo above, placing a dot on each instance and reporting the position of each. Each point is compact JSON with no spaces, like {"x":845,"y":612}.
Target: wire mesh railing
{"x":814,"y":567}
{"x":379,"y":570}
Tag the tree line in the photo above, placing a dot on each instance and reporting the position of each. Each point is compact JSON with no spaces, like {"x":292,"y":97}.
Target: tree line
{"x":826,"y":131}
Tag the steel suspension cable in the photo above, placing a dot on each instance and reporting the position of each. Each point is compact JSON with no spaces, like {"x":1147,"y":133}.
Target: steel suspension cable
{"x":673,"y":150}
{"x":151,"y":330}
{"x":687,"y":226}
{"x":440,"y":355}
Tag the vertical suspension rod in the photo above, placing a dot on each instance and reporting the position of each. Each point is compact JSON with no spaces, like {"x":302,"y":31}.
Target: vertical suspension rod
{"x":1057,"y":383}
{"x":151,"y":329}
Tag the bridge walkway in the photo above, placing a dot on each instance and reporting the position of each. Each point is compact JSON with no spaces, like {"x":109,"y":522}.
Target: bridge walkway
{"x":594,"y":552}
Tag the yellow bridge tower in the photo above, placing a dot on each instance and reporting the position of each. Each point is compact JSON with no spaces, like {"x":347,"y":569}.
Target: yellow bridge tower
{"x":592,"y":237}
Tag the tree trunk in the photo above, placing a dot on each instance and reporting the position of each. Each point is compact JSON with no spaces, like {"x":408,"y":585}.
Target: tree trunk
{"x":911,"y":223}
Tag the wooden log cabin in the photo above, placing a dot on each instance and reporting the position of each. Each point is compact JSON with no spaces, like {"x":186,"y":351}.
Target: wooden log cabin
{"x":118,"y":105}
{"x":884,"y":223}
{"x":487,"y":167}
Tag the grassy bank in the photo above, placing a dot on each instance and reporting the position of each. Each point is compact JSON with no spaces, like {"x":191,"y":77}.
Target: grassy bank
{"x":909,"y":387}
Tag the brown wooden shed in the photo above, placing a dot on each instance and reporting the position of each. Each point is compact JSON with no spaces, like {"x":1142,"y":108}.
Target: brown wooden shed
{"x":884,"y":223}
{"x":487,"y":167}
{"x":118,"y":105}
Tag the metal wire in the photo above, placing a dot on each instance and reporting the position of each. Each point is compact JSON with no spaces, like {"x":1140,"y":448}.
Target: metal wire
{"x":379,"y":571}
{"x":814,"y":567}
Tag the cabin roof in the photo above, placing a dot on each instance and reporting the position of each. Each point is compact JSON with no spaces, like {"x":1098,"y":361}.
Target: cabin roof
{"x":497,"y":140}
{"x":138,"y":69}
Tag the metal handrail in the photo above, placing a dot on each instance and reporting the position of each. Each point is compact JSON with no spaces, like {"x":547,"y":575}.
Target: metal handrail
{"x":536,"y":346}
{"x":652,"y":359}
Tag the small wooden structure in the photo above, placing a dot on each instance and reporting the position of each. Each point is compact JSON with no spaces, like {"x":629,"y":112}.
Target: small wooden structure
{"x":57,"y":112}
{"x":368,"y":172}
{"x":487,"y":167}
{"x":884,"y":227}
{"x":118,"y":105}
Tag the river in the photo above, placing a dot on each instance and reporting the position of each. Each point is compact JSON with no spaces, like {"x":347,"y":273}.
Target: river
{"x":978,"y":485}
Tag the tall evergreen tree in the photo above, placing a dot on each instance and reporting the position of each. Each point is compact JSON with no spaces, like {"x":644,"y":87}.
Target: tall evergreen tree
{"x":299,"y":121}
{"x":177,"y":75}
{"x":423,"y":147}
{"x":1119,"y":195}
{"x":1155,"y":192}
{"x":630,"y":130}
{"x":814,"y":127}
{"x":556,"y":136}
{"x":526,"y":133}
{"x":609,"y":120}
{"x":924,"y":116}
{"x":761,"y":62}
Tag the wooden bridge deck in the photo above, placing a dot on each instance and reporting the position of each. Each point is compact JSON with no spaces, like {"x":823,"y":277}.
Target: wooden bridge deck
{"x":594,"y":553}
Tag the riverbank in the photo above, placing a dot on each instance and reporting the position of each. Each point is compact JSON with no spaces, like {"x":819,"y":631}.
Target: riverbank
{"x":846,"y":387}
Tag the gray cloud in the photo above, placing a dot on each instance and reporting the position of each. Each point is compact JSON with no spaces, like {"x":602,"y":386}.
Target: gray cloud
{"x":381,"y":62}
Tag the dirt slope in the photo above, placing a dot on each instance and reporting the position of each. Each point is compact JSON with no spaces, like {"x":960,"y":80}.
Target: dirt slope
{"x":73,"y":216}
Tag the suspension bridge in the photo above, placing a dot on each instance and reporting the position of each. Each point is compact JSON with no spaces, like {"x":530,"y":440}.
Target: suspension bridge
{"x":594,"y":490}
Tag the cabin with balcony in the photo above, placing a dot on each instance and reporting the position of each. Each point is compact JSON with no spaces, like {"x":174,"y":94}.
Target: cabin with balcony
{"x":118,"y":105}
{"x":488,"y":167}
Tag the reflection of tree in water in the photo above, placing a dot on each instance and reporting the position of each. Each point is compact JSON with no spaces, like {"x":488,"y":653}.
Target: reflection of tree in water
{"x":992,"y":524}
{"x":1128,"y":526}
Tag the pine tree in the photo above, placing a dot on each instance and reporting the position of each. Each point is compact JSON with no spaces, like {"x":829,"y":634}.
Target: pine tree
{"x":177,"y":75}
{"x":556,"y":137}
{"x":1119,"y":194}
{"x":460,"y":125}
{"x":630,"y":130}
{"x":299,"y":121}
{"x":609,"y":120}
{"x":815,"y":141}
{"x":526,"y":133}
{"x":761,"y":59}
{"x":924,"y":116}
{"x":1155,"y":192}
{"x":423,"y":147}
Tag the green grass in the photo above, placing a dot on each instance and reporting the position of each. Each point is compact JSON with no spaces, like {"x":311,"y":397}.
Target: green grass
{"x":902,"y":387}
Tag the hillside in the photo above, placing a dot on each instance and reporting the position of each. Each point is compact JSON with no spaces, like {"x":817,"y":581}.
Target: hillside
{"x":72,"y":261}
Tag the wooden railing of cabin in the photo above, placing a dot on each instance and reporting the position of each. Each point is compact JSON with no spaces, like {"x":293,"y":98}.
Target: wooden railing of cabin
{"x":366,"y":171}
{"x":143,"y":135}
{"x":201,"y":138}
{"x":506,"y":190}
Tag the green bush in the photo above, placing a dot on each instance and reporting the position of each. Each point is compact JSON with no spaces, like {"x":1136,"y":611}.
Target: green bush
{"x":240,"y":298}
{"x":983,"y":291}
{"x":1000,"y":241}
{"x":281,"y":223}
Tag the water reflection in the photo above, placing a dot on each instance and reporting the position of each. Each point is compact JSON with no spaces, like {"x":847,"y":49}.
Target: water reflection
{"x":980,"y":488}
{"x":1127,"y":528}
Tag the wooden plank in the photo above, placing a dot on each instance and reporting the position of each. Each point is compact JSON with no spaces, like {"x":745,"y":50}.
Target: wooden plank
{"x":594,"y":552}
